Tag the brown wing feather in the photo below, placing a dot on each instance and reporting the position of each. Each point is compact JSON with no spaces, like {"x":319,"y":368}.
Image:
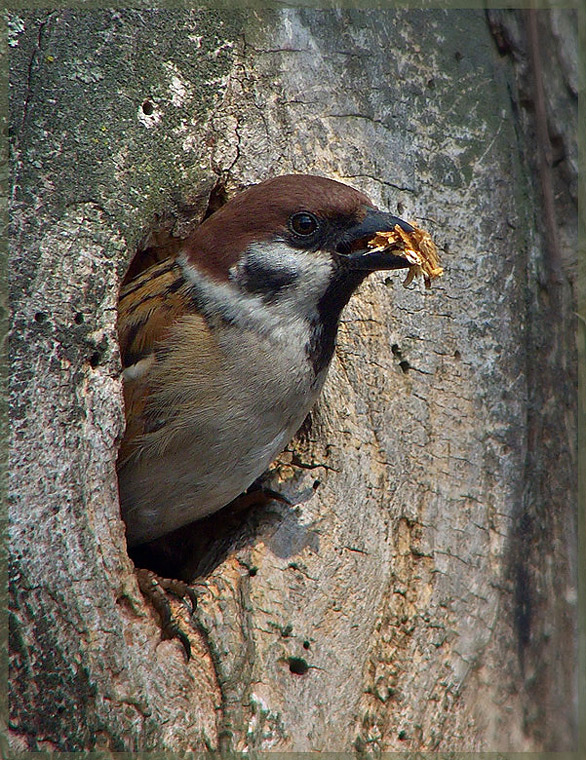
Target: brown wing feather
{"x":149,"y":306}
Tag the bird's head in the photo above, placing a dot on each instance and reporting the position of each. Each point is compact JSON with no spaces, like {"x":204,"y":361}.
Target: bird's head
{"x":295,"y":239}
{"x":267,"y":224}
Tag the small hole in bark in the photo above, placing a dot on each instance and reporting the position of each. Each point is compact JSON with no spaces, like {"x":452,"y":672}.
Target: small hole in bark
{"x":402,"y":735}
{"x":316,"y":484}
{"x":40,"y":317}
{"x":558,"y":149}
{"x":405,"y":366}
{"x":252,"y":571}
{"x":457,"y":354}
{"x":395,"y":349}
{"x":306,"y":644}
{"x":431,"y":84}
{"x":458,"y":55}
{"x":148,"y":108}
{"x":298,"y":666}
{"x":400,"y":208}
{"x":78,"y":318}
{"x":95,"y":359}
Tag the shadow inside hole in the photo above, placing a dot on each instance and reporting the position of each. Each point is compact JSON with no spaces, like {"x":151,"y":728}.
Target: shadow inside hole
{"x":196,"y":550}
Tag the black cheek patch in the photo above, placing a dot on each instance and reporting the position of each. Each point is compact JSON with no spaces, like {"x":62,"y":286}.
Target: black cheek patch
{"x":263,"y":280}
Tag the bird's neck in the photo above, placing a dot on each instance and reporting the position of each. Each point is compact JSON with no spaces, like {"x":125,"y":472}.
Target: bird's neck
{"x":304,"y":308}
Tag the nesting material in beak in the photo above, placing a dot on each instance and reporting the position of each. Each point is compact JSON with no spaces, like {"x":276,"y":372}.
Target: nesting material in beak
{"x":415,"y":246}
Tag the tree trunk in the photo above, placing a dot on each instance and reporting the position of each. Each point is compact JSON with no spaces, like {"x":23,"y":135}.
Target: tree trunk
{"x":421,"y":592}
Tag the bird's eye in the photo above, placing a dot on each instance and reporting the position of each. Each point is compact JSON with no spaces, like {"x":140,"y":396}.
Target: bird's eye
{"x":303,"y":224}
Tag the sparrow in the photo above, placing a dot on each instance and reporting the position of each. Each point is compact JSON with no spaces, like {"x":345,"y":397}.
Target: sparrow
{"x":226,"y":345}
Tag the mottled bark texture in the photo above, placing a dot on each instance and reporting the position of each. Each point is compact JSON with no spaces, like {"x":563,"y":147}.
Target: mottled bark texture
{"x":421,"y":592}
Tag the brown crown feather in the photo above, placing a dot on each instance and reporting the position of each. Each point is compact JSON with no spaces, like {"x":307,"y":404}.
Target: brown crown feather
{"x":262,"y":210}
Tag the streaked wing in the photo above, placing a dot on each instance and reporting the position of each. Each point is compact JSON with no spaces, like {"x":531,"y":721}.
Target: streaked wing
{"x":149,"y":306}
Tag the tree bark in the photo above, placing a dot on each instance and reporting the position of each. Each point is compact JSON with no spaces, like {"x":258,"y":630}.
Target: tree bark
{"x":421,"y":592}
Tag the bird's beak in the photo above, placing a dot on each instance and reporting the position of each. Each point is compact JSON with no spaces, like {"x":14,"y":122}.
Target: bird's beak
{"x":354,"y":248}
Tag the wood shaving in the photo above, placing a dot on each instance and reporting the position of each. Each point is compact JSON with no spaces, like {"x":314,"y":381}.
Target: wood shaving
{"x":416,"y":247}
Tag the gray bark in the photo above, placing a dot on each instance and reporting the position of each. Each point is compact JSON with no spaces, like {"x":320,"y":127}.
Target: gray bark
{"x":425,"y":581}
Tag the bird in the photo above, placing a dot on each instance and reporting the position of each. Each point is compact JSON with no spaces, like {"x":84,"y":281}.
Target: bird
{"x":226,"y":345}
